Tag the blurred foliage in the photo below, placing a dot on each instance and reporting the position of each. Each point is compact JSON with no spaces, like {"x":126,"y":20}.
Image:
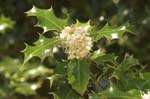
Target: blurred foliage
{"x":18,"y":79}
{"x":14,"y":76}
{"x":5,"y":23}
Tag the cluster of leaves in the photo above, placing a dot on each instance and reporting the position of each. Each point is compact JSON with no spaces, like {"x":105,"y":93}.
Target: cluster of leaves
{"x":100,"y":76}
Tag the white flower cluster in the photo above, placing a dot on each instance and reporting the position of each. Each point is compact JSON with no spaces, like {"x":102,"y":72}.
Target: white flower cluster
{"x":76,"y":41}
{"x":146,"y":96}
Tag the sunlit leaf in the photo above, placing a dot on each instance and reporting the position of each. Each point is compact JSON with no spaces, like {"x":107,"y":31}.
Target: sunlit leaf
{"x":97,"y":53}
{"x":5,"y":23}
{"x":47,"y":19}
{"x":111,"y":32}
{"x":145,"y":75}
{"x":25,"y":89}
{"x":42,"y":48}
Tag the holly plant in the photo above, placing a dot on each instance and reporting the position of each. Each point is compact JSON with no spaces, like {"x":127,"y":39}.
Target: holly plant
{"x":86,"y":72}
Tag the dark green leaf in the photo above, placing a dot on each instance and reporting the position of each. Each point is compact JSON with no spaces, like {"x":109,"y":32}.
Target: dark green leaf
{"x":106,"y":58}
{"x":64,"y":91}
{"x":128,"y":62}
{"x":125,"y":66}
{"x":114,"y":93}
{"x":127,"y":83}
{"x":61,"y":68}
{"x":78,"y":75}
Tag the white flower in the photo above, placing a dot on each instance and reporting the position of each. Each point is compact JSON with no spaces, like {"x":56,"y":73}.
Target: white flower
{"x":146,"y":96}
{"x":76,"y":41}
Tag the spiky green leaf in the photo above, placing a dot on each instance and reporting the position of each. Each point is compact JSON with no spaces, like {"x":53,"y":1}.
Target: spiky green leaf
{"x":105,"y":58}
{"x":47,"y":19}
{"x":125,"y":66}
{"x":111,"y":32}
{"x":42,"y":48}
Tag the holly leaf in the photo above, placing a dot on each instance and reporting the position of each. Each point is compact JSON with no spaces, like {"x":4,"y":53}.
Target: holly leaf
{"x":134,"y":83}
{"x":42,"y":48}
{"x":78,"y":75}
{"x":124,"y":66}
{"x":127,"y":63}
{"x":111,"y":32}
{"x":47,"y":19}
{"x":105,"y":58}
{"x":114,"y":93}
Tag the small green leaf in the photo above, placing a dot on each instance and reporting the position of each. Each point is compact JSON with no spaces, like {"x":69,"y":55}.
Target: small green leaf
{"x":43,"y":48}
{"x":97,"y":53}
{"x":47,"y":19}
{"x":5,"y":23}
{"x":78,"y":75}
{"x":111,"y":32}
{"x":25,"y":89}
